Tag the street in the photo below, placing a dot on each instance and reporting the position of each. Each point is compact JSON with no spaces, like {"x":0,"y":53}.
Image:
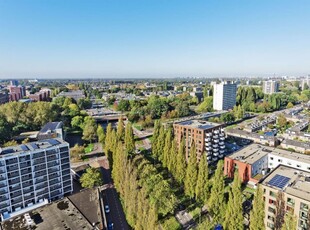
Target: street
{"x":111,"y":198}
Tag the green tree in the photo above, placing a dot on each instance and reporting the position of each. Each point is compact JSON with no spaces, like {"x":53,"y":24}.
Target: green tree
{"x":172,"y":158}
{"x":89,"y":129}
{"x":77,"y":152}
{"x":289,"y":105}
{"x":160,"y":143}
{"x":129,"y":139}
{"x":191,"y":173}
{"x":234,"y":212}
{"x":180,"y":169}
{"x":290,"y":221}
{"x":216,"y":202}
{"x":280,"y":211}
{"x":120,"y":128}
{"x":10,"y":143}
{"x":206,"y":105}
{"x":92,"y":177}
{"x":202,"y":186}
{"x":257,"y":214}
{"x":101,"y":135}
{"x":108,"y":139}
{"x":77,"y":122}
{"x":167,"y":147}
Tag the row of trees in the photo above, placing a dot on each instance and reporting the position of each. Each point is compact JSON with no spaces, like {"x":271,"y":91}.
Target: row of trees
{"x":146,"y":195}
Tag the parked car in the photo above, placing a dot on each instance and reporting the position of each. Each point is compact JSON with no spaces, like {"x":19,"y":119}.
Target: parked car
{"x":106,"y":208}
{"x":110,"y":225}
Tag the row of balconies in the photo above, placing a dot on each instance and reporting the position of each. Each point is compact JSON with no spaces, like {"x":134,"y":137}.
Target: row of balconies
{"x":67,"y":189}
{"x":27,"y":183}
{"x":2,"y":163}
{"x":40,"y":179}
{"x":15,"y":194}
{"x":2,"y":170}
{"x":54,"y":181}
{"x":11,"y":168}
{"x":64,"y":154}
{"x":25,"y":165}
{"x":65,"y":160}
{"x":28,"y":190}
{"x":56,"y":193}
{"x":67,"y":177}
{"x":55,"y":186}
{"x":41,"y":186}
{"x":13,"y":174}
{"x":40,"y":173}
{"x":28,"y":196}
{"x":53,"y":163}
{"x":11,"y":161}
{"x":4,"y":205}
{"x":14,"y":187}
{"x":38,"y":155}
{"x":14,"y":181}
{"x":40,"y":193}
{"x":26,"y":177}
{"x":4,"y":197}
{"x":3,"y":184}
{"x":3,"y":191}
{"x":66,"y":166}
{"x":16,"y":200}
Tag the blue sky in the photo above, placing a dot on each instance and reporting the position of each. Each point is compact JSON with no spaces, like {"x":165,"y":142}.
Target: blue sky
{"x":153,"y":38}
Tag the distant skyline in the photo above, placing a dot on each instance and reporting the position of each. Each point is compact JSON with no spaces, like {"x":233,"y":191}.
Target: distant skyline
{"x":153,"y":38}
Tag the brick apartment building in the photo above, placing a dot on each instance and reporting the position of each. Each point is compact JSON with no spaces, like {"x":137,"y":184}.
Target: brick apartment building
{"x":16,"y":92}
{"x":208,"y":137}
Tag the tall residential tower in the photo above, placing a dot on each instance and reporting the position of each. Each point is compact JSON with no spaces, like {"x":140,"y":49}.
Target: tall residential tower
{"x":224,"y":95}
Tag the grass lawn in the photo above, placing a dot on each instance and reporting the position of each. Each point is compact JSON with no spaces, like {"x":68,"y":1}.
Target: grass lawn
{"x":89,"y":148}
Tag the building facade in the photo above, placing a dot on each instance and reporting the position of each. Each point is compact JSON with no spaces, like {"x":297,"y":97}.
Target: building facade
{"x":294,"y":186}
{"x":224,"y":96}
{"x":270,"y":87}
{"x":17,"y":92}
{"x":33,"y":174}
{"x":255,"y":161}
{"x":208,"y":137}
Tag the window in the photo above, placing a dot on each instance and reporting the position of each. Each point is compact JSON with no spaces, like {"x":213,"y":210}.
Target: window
{"x":271,"y":158}
{"x":289,"y":163}
{"x":271,"y":201}
{"x":270,"y":225}
{"x":273,"y":194}
{"x":290,"y":201}
{"x":279,"y":160}
{"x":304,"y":206}
{"x":271,"y":210}
{"x":303,"y":215}
{"x":298,"y":166}
{"x":271,"y":218}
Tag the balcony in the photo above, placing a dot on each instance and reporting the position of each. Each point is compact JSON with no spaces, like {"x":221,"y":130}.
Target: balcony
{"x":221,"y":156}
{"x":209,"y":158}
{"x":207,"y":139}
{"x":222,"y":143}
{"x":2,"y":163}
{"x":208,"y":148}
{"x":67,"y":189}
{"x":14,"y":188}
{"x":12,"y":168}
{"x":222,"y":147}
{"x":41,"y":179}
{"x":222,"y":151}
{"x":39,"y":167}
{"x":216,"y":141}
{"x":25,"y":164}
{"x":39,"y":161}
{"x":27,"y":183}
{"x":215,"y":137}
{"x":25,"y":171}
{"x":64,"y":155}
{"x":52,"y":164}
{"x":11,"y":161}
{"x":65,"y":160}
{"x":54,"y":175}
{"x":66,"y":166}
{"x":13,"y":174}
{"x":4,"y":197}
{"x":15,"y":194}
{"x":52,"y":158}
{"x":28,"y":197}
{"x":3,"y":184}
{"x":38,"y":155}
{"x":16,"y":201}
{"x":215,"y":150}
{"x":41,"y":186}
{"x":54,"y":169}
{"x":3,"y":191}
{"x":215,"y":146}
{"x":216,"y":132}
{"x":214,"y":159}
{"x":4,"y":205}
{"x":28,"y":190}
{"x":215,"y":154}
{"x":56,"y":193}
{"x":66,"y":172}
{"x":222,"y":138}
{"x":14,"y":181}
{"x":65,"y":178}
{"x":54,"y":187}
{"x":55,"y":181}
{"x":2,"y":170}
{"x":26,"y":178}
{"x":41,"y":173}
{"x":2,"y":178}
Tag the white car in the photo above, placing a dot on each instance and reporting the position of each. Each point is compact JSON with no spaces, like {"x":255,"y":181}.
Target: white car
{"x":106,"y":208}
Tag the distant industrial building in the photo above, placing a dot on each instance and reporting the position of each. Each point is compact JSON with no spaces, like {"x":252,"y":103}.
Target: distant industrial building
{"x":32,"y":175}
{"x":255,"y":161}
{"x":295,"y":186}
{"x":224,"y":95}
{"x":208,"y":137}
{"x":270,"y":87}
{"x":74,"y":94}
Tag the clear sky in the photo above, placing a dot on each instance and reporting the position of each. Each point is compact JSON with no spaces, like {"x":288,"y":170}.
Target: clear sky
{"x":153,"y":38}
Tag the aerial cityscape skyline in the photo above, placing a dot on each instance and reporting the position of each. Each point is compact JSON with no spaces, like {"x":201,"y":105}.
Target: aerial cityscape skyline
{"x":153,"y":39}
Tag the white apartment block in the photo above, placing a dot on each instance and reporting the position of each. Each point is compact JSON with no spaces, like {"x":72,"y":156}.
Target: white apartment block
{"x":224,"y":95}
{"x":32,"y":175}
{"x":270,"y":87}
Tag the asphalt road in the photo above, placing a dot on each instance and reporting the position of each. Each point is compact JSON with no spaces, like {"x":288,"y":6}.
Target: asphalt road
{"x":110,"y":197}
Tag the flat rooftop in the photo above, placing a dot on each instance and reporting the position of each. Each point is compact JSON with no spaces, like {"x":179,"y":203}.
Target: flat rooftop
{"x":254,"y":152}
{"x":50,"y":126}
{"x":31,"y":146}
{"x":291,"y":181}
{"x":57,"y":215}
{"x":299,"y":144}
{"x":198,"y":124}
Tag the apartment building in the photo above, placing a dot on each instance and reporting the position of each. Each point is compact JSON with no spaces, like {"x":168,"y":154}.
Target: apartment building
{"x":255,"y":161}
{"x":42,"y":95}
{"x":295,"y":187}
{"x":209,"y":138}
{"x":224,"y":95}
{"x":74,"y":94}
{"x":32,"y":175}
{"x":16,"y":92}
{"x":270,"y":87}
